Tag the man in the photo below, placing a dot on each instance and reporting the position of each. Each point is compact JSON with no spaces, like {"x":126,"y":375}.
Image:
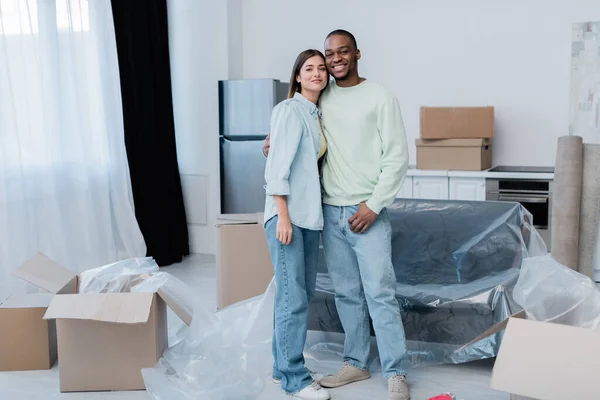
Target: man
{"x":364,"y":169}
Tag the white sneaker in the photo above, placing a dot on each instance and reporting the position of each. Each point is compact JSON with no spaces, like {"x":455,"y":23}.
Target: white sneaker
{"x":314,"y":391}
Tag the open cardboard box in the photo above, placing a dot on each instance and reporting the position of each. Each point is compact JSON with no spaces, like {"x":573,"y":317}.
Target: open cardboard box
{"x":104,"y":339}
{"x":545,"y":361}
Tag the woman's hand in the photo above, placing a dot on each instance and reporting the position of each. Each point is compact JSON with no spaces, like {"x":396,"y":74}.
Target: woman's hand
{"x":284,"y":230}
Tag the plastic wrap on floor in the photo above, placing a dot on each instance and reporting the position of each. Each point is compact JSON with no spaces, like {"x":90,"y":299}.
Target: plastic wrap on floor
{"x":456,"y":266}
{"x":225,"y":355}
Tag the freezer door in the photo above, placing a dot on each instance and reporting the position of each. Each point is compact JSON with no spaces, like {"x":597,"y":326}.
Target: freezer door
{"x":245,"y":106}
{"x":242,"y":176}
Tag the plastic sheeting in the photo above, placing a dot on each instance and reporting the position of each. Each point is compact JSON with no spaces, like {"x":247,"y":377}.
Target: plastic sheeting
{"x":226,"y":355}
{"x":550,"y":292}
{"x":118,"y":277}
{"x":456,"y":265}
{"x":141,"y":275}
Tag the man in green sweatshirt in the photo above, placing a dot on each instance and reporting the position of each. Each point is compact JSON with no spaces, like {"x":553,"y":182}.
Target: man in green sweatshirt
{"x":365,"y":166}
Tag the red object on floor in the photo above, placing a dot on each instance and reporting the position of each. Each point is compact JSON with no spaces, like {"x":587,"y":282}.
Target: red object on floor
{"x":446,"y":396}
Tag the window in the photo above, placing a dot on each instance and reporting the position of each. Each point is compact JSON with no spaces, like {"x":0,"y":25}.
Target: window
{"x":56,"y":77}
{"x":20,"y":17}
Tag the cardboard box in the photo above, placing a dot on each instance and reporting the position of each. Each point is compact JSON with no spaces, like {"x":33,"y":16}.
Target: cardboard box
{"x":27,"y":341}
{"x":104,"y":339}
{"x":545,"y":361}
{"x":454,"y":154}
{"x":533,"y":351}
{"x":457,"y":122}
{"x":244,"y":267}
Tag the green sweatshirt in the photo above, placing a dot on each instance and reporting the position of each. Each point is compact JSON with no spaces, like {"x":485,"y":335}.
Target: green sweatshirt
{"x":367,"y":151}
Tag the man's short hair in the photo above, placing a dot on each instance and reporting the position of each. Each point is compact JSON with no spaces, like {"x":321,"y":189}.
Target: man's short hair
{"x":343,"y":32}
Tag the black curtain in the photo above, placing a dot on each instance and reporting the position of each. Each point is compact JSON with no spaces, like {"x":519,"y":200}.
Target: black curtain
{"x":143,"y":51}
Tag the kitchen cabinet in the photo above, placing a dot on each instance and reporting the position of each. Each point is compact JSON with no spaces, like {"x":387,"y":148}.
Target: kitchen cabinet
{"x":406,"y":191}
{"x":430,"y":187}
{"x":466,"y":188}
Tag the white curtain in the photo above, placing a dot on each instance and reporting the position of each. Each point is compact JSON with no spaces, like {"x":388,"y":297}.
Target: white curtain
{"x":64,"y":179}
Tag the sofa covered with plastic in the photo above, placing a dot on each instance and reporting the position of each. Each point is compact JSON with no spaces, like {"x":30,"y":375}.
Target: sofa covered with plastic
{"x":456,"y":265}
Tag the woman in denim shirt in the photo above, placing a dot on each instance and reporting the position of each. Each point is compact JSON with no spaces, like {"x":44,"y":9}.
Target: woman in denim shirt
{"x":294,"y":219}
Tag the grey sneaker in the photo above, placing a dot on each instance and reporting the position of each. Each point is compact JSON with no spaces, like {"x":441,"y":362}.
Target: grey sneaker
{"x":398,"y":388}
{"x":347,"y":374}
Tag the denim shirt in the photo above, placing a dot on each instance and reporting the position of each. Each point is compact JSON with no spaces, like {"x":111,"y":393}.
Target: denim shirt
{"x":292,"y":168}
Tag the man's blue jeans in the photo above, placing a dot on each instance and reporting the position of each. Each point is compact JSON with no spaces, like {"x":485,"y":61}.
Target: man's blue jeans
{"x":364,"y":281}
{"x":295,"y":277}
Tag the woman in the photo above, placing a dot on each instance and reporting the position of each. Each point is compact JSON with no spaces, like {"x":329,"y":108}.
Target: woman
{"x":294,"y":219}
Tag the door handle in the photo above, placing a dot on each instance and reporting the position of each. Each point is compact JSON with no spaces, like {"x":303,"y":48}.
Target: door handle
{"x":525,"y":199}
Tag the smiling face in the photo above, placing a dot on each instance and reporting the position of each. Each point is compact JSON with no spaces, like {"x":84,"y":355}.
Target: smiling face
{"x":309,"y":75}
{"x":341,"y":57}
{"x":313,"y":74}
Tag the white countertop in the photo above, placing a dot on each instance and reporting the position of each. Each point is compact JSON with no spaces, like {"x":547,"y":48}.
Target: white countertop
{"x":424,"y":172}
{"x":412,"y":171}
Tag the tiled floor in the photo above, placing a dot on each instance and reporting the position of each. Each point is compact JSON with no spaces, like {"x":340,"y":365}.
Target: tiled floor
{"x":467,"y":382}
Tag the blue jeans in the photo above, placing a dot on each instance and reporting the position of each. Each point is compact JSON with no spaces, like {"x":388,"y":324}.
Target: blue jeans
{"x":295,"y":279}
{"x":364,"y":281}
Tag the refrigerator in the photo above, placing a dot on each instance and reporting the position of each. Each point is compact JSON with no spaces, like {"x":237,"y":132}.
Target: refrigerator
{"x":245,"y":108}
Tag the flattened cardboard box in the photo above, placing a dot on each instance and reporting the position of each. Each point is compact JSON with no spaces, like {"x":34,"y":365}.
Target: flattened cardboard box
{"x":457,"y":122}
{"x":546,"y":361}
{"x":244,"y":267}
{"x":454,"y":154}
{"x":532,"y":351}
{"x":27,"y":341}
{"x":104,"y":339}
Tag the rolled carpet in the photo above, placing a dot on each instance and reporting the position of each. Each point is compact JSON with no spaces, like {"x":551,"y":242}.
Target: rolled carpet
{"x":568,"y":176}
{"x":597,"y":254}
{"x":590,"y":200}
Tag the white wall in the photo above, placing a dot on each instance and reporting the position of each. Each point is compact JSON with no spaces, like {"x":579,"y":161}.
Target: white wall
{"x":512,"y":54}
{"x":198,"y":41}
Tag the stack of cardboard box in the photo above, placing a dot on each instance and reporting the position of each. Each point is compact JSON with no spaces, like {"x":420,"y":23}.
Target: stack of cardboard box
{"x":455,"y":138}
